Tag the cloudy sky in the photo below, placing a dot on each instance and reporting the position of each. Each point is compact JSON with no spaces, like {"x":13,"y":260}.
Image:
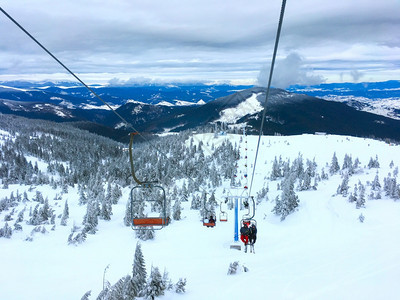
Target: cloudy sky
{"x":202,"y":40}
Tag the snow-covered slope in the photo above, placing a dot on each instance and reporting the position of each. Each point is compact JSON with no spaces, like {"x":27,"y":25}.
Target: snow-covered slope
{"x":321,"y":251}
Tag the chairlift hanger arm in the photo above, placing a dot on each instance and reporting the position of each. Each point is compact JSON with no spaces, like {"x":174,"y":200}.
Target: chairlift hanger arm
{"x":251,"y":212}
{"x":131,"y":159}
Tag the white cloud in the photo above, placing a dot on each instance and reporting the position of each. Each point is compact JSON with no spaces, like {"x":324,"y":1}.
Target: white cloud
{"x":289,"y":71}
{"x":200,"y":39}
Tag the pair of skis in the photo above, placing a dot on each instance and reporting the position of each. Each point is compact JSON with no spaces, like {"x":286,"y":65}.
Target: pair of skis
{"x":251,"y":249}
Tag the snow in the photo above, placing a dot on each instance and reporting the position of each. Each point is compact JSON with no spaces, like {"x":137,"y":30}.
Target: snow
{"x":104,"y":107}
{"x":321,"y":251}
{"x":385,"y":107}
{"x":248,"y":107}
{"x":165,"y":103}
{"x":13,"y":88}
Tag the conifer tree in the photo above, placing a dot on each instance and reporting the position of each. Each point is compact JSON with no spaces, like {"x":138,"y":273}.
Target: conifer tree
{"x":375,"y":186}
{"x":276,"y":170}
{"x":145,"y":234}
{"x":347,"y":162}
{"x":353,"y":196}
{"x":86,"y":295}
{"x":82,"y":197}
{"x":154,"y":286}
{"x":106,"y":209}
{"x":65,"y":214}
{"x":180,"y":286}
{"x":139,"y":273}
{"x":185,"y":196}
{"x":128,"y":214}
{"x":361,"y":197}
{"x":288,"y":201}
{"x":39,"y":197}
{"x":343,"y":188}
{"x":373,"y":163}
{"x":196,"y":202}
{"x":35,"y":218}
{"x":176,"y":210}
{"x":25,"y":198}
{"x":45,"y":212}
{"x":334,"y":167}
{"x":6,"y":231}
{"x":396,"y":171}
{"x":90,"y":219}
{"x":116,"y":194}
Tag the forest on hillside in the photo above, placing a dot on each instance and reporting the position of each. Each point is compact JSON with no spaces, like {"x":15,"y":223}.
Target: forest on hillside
{"x":92,"y":171}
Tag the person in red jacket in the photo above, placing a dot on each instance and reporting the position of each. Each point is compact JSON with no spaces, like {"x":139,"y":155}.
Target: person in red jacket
{"x":244,"y":234}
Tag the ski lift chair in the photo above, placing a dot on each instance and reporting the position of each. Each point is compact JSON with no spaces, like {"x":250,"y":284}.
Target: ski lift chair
{"x":223,"y":215}
{"x":148,"y":192}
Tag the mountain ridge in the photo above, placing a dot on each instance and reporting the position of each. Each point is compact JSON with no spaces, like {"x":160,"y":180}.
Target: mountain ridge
{"x":287,"y":112}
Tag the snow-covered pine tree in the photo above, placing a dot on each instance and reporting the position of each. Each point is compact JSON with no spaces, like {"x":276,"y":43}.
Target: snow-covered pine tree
{"x":86,"y":295}
{"x":154,"y":285}
{"x":116,"y":291}
{"x":298,"y":166}
{"x":334,"y":167}
{"x":25,"y":198}
{"x":375,"y":185}
{"x":361,"y":197}
{"x":233,"y":267}
{"x":35,"y":218}
{"x":185,"y":194}
{"x":130,"y":289}
{"x":343,"y":188}
{"x":128,"y":214}
{"x":75,"y":236}
{"x":353,"y":196}
{"x":166,"y":281}
{"x":373,"y":163}
{"x":289,"y":201}
{"x":347,"y":163}
{"x":196,"y":202}
{"x":90,"y":220}
{"x":276,"y":170}
{"x":20,"y":216}
{"x":6,"y":231}
{"x":180,"y":286}
{"x":82,"y":196}
{"x":391,"y":187}
{"x":139,"y":273}
{"x":176,"y":210}
{"x":356,"y":164}
{"x":262,"y":194}
{"x":106,"y":208}
{"x":39,"y":197}
{"x":45,"y":211}
{"x":145,"y":234}
{"x":116,"y":194}
{"x":391,"y":164}
{"x":65,"y":214}
{"x":361,"y":218}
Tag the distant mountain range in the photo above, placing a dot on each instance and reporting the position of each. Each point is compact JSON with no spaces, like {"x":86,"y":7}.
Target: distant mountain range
{"x":159,"y":109}
{"x":377,"y":97}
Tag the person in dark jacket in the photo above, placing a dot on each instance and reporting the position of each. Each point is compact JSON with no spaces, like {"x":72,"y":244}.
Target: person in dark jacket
{"x":252,"y":236}
{"x":211,"y":219}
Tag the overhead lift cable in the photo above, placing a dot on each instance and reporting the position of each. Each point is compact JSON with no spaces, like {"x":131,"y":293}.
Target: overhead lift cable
{"x":77,"y":78}
{"x":278,"y":33}
{"x":87,"y":87}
